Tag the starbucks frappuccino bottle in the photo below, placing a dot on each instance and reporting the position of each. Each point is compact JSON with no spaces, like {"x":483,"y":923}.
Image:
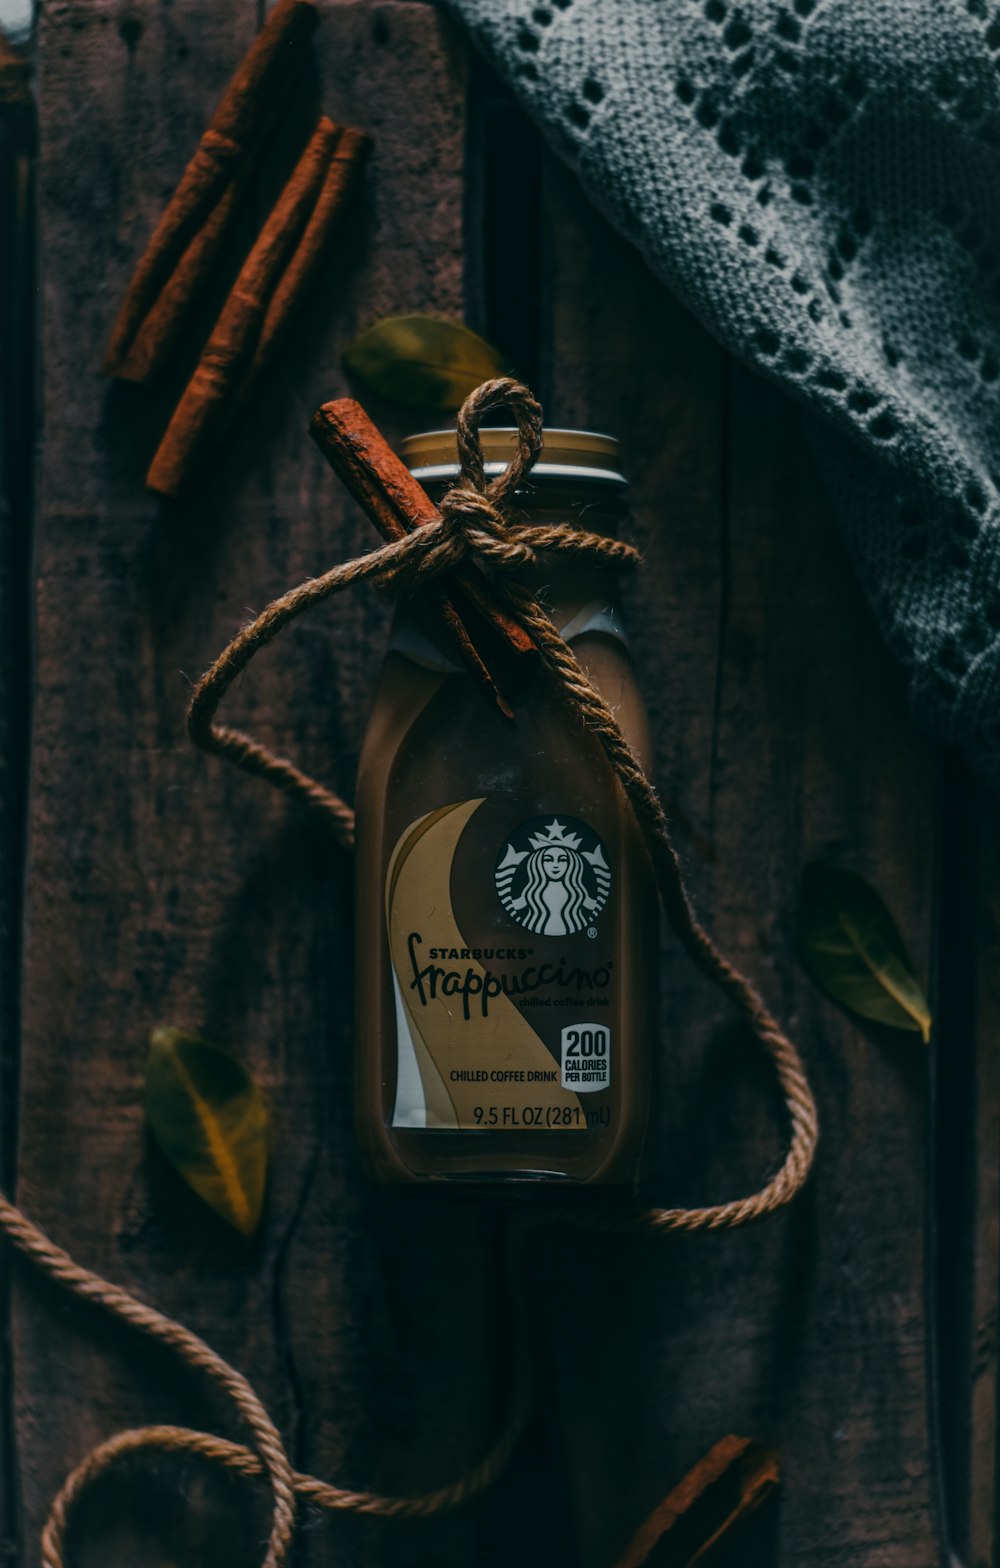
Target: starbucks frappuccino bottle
{"x":506,"y":912}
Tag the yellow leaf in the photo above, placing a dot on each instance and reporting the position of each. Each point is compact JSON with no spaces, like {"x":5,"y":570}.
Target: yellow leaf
{"x":422,"y":361}
{"x":851,"y":946}
{"x":209,"y":1118}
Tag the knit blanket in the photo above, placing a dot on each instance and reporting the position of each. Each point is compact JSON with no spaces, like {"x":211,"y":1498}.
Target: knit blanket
{"x":819,"y":182}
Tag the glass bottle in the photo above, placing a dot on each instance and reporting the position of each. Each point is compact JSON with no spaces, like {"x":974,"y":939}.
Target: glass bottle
{"x":507,"y":918}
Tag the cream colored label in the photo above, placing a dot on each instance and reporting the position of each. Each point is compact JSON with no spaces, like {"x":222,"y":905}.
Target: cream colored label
{"x":467,"y":1055}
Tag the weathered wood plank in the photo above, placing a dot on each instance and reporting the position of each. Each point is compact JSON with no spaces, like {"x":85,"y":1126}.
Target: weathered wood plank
{"x":106,"y":164}
{"x":17,"y":438}
{"x":984,"y":1457}
{"x":782,"y":735}
{"x":161,"y":888}
{"x":975,"y":921}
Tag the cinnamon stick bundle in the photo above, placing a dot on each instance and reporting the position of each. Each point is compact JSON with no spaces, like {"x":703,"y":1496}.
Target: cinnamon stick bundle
{"x":346,"y":162}
{"x":177,"y":262}
{"x":254,"y":318}
{"x":706,"y":1507}
{"x":495,"y":648}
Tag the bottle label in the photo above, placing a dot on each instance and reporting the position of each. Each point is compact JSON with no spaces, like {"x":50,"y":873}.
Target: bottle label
{"x":500,"y":941}
{"x":549,"y":881}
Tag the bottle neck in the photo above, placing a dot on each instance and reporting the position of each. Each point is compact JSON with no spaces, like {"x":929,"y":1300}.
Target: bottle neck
{"x":566,"y":584}
{"x":580,"y":597}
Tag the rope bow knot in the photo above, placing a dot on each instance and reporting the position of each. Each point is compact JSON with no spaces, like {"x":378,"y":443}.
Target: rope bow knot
{"x":477,"y":519}
{"x":476,"y":522}
{"x":477,"y":509}
{"x":471,"y":525}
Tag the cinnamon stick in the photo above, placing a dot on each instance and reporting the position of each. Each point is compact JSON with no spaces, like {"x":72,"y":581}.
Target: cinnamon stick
{"x":706,"y":1507}
{"x":255,"y":316}
{"x":346,"y":162}
{"x":178,"y":258}
{"x":161,"y":328}
{"x":495,"y":648}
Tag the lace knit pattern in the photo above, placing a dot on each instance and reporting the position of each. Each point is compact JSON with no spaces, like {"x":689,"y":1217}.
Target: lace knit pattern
{"x":819,"y":182}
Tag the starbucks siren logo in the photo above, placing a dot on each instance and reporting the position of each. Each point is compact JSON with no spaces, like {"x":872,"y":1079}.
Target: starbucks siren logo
{"x":552,"y":877}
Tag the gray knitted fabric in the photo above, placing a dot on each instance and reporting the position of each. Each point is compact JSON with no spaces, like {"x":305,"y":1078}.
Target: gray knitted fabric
{"x":819,"y":181}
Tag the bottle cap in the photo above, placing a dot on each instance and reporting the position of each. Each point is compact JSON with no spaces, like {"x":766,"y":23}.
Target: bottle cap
{"x":575,"y":456}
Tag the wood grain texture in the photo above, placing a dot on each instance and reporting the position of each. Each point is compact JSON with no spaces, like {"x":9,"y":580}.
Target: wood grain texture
{"x":164,"y":889}
{"x":782,"y":735}
{"x":983,"y":1454}
{"x":18,"y":423}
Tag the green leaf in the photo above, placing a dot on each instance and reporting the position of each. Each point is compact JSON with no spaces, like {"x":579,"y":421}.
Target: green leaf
{"x":851,"y":946}
{"x":209,"y":1118}
{"x":422,"y":361}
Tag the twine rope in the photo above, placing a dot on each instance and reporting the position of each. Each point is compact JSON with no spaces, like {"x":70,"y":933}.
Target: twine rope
{"x":266,"y":1458}
{"x":476,"y":523}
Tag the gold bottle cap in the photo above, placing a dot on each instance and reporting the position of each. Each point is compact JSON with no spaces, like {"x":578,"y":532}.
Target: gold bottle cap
{"x":575,"y":456}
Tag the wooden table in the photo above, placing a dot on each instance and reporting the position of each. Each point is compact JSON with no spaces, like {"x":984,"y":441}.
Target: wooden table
{"x":162,"y":887}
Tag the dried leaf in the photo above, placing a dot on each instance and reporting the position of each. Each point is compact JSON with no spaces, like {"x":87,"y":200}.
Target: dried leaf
{"x":209,"y":1118}
{"x":851,"y":946}
{"x":422,"y":361}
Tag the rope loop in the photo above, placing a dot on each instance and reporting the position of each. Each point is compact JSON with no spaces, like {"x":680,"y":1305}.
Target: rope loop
{"x":265,"y":1457}
{"x":475,"y":511}
{"x":503,"y":392}
{"x":476,"y":520}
